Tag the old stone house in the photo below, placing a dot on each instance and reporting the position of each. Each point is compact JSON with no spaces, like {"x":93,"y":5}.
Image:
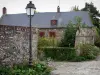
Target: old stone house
{"x":49,"y":23}
{"x":14,"y":31}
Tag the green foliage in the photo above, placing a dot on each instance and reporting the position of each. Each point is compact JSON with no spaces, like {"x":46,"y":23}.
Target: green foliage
{"x":97,"y":41}
{"x":98,"y":31}
{"x":22,"y":70}
{"x":42,"y":69}
{"x":94,"y":13}
{"x":69,"y":36}
{"x":70,"y":33}
{"x":89,"y":51}
{"x":79,"y":23}
{"x":78,"y":59}
{"x":4,"y":70}
{"x":36,"y":69}
{"x":59,"y":53}
{"x":44,"y":42}
{"x":75,"y":8}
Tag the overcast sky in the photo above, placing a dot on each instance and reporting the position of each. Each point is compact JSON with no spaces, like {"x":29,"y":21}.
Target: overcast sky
{"x":18,"y":6}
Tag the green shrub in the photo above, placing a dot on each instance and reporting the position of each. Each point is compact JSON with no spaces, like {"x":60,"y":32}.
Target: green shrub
{"x":70,"y":32}
{"x":36,"y":69}
{"x":22,"y":70}
{"x":97,"y":40}
{"x":89,"y":51}
{"x":44,"y":42}
{"x":4,"y":70}
{"x":42,"y":69}
{"x":78,"y":59}
{"x":69,"y":36}
{"x":59,"y":53}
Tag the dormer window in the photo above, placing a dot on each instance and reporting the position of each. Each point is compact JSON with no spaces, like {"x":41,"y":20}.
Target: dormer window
{"x":53,"y":22}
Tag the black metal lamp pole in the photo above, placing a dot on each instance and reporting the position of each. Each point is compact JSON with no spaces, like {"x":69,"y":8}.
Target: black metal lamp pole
{"x":30,"y":42}
{"x":30,"y":8}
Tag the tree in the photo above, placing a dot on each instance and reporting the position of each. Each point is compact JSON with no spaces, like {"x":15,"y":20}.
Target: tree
{"x":94,"y":13}
{"x":70,"y":32}
{"x":69,"y":36}
{"x":75,"y":8}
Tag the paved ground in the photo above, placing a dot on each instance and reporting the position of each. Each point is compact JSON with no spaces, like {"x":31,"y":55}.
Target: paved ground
{"x":76,"y":68}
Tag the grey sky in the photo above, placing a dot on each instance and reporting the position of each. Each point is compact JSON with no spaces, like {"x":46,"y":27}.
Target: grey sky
{"x":18,"y":6}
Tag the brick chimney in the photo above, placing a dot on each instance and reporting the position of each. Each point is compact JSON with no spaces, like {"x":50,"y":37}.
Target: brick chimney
{"x":58,"y":9}
{"x":4,"y":11}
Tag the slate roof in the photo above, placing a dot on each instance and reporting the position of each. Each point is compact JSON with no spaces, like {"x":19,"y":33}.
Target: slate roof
{"x":42,"y":20}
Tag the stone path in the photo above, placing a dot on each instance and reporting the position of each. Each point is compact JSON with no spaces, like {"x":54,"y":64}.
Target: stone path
{"x":76,"y":68}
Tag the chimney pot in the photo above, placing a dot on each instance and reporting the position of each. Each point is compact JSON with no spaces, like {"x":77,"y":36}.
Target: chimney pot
{"x":4,"y":10}
{"x":58,"y":9}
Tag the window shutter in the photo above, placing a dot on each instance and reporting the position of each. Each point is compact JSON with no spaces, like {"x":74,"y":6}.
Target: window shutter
{"x":42,"y":34}
{"x":52,"y":34}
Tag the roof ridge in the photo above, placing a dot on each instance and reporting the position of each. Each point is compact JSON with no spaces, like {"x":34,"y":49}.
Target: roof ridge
{"x":48,"y":12}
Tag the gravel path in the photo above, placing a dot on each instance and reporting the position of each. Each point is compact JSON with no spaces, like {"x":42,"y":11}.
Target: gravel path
{"x":76,"y":68}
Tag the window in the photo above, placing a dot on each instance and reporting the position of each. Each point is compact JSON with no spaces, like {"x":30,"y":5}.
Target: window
{"x":53,"y":22}
{"x":52,"y":34}
{"x":41,"y":34}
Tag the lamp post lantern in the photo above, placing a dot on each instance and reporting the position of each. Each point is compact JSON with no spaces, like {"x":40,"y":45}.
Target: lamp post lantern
{"x":30,"y":10}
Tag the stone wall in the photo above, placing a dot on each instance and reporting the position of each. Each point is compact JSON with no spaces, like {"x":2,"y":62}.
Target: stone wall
{"x":84,"y":35}
{"x":14,"y":44}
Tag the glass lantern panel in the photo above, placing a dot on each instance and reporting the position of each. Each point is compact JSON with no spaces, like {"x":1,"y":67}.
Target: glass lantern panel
{"x":28,"y":10}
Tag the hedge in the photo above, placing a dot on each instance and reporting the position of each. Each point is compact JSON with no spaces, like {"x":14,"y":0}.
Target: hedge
{"x":59,"y":53}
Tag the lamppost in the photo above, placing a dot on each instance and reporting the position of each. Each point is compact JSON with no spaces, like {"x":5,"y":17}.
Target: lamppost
{"x":30,"y":10}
